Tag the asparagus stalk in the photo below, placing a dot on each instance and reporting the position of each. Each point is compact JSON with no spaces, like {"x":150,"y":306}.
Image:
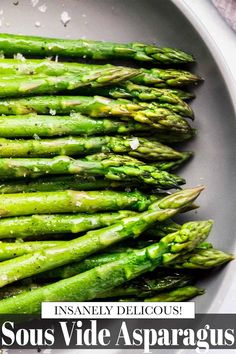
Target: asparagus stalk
{"x":180,"y":294}
{"x":183,"y":95}
{"x":33,"y":125}
{"x":71,"y":202}
{"x":112,"y":167}
{"x":50,"y":184}
{"x":32,"y":85}
{"x":173,"y":165}
{"x":204,"y":256}
{"x":97,"y":240}
{"x":154,"y":77}
{"x":160,"y":230}
{"x":141,"y":287}
{"x":125,"y":160}
{"x":97,"y":107}
{"x":166,"y":78}
{"x":74,"y":182}
{"x":148,"y":284}
{"x":142,"y":148}
{"x":37,"y":225}
{"x":81,"y":48}
{"x":90,"y":284}
{"x":203,"y":259}
{"x":170,"y":137}
{"x":115,"y":253}
{"x":129,"y":90}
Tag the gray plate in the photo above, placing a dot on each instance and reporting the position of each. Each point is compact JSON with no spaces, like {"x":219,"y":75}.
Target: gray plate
{"x":215,"y":147}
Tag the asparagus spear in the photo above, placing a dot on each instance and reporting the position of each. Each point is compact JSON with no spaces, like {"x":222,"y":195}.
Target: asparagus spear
{"x":39,"y":84}
{"x":173,"y":165}
{"x":125,"y":160}
{"x":170,"y":137}
{"x":203,"y":259}
{"x":81,"y":48}
{"x":90,"y":284}
{"x":180,"y":294}
{"x":154,"y":77}
{"x":97,"y":107}
{"x":57,"y":183}
{"x":75,"y":124}
{"x":115,"y":253}
{"x":77,"y":182}
{"x":71,"y":202}
{"x":112,"y":168}
{"x":142,"y":286}
{"x":74,"y":182}
{"x":33,"y":125}
{"x":74,"y":146}
{"x":118,"y":160}
{"x":37,"y":225}
{"x":148,"y":284}
{"x":129,"y":90}
{"x":183,"y":95}
{"x":160,"y":230}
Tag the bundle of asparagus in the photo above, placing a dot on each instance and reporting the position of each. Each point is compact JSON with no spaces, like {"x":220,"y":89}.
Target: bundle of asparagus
{"x":72,"y":165}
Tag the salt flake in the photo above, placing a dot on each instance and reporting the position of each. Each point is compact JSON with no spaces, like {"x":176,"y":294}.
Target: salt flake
{"x":43,"y":8}
{"x":134,"y":143}
{"x":19,"y":56}
{"x":52,"y":112}
{"x":34,"y":2}
{"x":36,"y":137}
{"x":65,"y":18}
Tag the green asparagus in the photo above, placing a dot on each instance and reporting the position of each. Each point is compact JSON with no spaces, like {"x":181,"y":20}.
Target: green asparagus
{"x":38,"y":84}
{"x":57,"y":183}
{"x":81,"y":48}
{"x":118,"y":160}
{"x":203,"y":259}
{"x":154,"y":77}
{"x":142,"y":148}
{"x":183,"y":95}
{"x":166,"y":78}
{"x":37,"y":225}
{"x":97,"y":107}
{"x":71,"y":202}
{"x":149,"y":284}
{"x":33,"y":125}
{"x":117,"y":252}
{"x":170,"y":137}
{"x":180,"y":294}
{"x":112,"y":168}
{"x":143,"y":286}
{"x":90,"y":284}
{"x":173,"y":165}
{"x":160,"y":230}
{"x":129,"y":90}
